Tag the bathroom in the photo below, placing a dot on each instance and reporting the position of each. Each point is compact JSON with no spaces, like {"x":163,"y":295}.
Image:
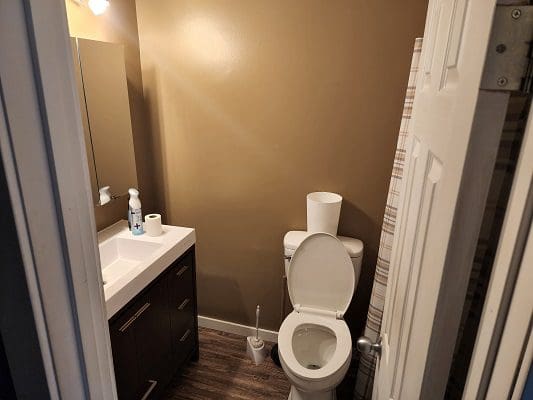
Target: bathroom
{"x":234,"y":111}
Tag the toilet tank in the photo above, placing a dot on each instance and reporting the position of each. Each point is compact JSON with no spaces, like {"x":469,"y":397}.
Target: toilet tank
{"x":354,"y":247}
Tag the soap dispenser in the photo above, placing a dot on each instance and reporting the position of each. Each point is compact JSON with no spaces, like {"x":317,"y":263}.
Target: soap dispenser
{"x":135,"y":218}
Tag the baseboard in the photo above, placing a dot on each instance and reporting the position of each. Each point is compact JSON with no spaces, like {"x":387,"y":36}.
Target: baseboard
{"x":237,"y":329}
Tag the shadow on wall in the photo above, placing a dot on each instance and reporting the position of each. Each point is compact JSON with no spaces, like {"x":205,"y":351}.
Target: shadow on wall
{"x":151,"y":91}
{"x":143,"y":145}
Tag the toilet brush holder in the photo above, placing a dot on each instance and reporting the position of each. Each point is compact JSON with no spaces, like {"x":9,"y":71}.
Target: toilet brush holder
{"x":255,"y":347}
{"x":256,"y":350}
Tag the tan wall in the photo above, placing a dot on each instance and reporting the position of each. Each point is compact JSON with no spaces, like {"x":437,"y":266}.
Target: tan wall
{"x":119,"y":25}
{"x":253,"y":104}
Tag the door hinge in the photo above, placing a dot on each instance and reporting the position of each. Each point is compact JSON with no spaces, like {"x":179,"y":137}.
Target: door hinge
{"x":508,"y":65}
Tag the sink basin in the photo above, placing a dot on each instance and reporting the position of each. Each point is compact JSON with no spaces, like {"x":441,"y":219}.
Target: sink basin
{"x":119,"y":255}
{"x":129,"y":263}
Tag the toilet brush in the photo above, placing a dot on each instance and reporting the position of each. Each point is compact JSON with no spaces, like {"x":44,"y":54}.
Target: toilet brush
{"x":255,"y":347}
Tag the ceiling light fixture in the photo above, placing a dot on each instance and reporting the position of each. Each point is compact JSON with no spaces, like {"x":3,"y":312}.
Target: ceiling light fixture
{"x":98,"y":7}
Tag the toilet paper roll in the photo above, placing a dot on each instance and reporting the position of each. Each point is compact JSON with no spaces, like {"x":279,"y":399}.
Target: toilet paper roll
{"x":152,"y":225}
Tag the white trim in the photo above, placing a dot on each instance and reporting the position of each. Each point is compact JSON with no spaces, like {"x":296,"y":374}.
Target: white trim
{"x":236,"y":329}
{"x":26,"y":254}
{"x":73,"y":192}
{"x":48,"y":181}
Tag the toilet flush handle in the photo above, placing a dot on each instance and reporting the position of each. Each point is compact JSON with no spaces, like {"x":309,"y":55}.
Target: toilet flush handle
{"x":366,"y":346}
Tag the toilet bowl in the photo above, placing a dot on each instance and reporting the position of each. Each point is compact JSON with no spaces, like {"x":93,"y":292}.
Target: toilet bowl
{"x":314,"y":342}
{"x":315,"y":353}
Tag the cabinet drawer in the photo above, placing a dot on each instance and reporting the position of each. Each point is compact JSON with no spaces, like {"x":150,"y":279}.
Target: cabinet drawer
{"x":181,"y":282}
{"x":182,"y":327}
{"x":182,"y":307}
{"x":181,"y":315}
{"x":185,"y":342}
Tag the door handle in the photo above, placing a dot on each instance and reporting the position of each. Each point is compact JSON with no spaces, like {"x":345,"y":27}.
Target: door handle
{"x":366,"y":346}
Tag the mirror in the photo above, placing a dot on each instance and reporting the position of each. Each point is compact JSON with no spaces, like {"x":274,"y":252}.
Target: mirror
{"x":103,"y":91}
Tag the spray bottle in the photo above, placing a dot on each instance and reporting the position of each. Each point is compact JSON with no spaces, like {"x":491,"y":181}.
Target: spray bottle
{"x":135,"y":217}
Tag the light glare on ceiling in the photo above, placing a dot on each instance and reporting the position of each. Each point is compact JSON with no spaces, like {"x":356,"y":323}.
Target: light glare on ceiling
{"x":98,"y":7}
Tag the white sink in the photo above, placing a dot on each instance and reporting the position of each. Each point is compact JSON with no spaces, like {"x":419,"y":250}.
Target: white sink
{"x":129,"y":263}
{"x":119,"y":255}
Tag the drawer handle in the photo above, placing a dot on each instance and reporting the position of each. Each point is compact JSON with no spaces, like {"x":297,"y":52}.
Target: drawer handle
{"x":127,"y":324}
{"x":183,"y":304}
{"x":185,"y":335}
{"x":150,"y":389}
{"x":182,"y":270}
{"x":141,"y":310}
{"x":133,"y":318}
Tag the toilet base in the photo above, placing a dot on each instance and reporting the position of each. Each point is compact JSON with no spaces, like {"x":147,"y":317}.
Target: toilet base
{"x":296,"y":394}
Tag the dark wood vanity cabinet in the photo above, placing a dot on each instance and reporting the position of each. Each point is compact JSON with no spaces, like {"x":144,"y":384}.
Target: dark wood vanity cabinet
{"x":156,"y":333}
{"x":182,"y":300}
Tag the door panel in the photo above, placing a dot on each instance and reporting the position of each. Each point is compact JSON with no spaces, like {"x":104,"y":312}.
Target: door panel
{"x":152,"y":336}
{"x":427,"y":173}
{"x":125,"y":356}
{"x":433,"y":191}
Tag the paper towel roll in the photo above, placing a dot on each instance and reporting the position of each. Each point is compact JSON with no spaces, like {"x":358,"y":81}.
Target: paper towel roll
{"x":152,"y":225}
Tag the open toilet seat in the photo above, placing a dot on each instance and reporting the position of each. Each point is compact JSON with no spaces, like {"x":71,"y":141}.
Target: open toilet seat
{"x":340,"y":357}
{"x":314,"y":342}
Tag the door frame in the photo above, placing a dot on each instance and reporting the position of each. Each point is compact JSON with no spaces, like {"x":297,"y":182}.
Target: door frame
{"x":503,"y":351}
{"x":41,"y":143}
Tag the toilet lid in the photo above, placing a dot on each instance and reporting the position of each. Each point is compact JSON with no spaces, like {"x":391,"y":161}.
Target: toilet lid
{"x":321,"y":274}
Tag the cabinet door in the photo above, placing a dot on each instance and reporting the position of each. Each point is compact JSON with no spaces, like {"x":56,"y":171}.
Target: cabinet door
{"x":152,"y":338}
{"x":182,"y":308}
{"x":125,"y":356}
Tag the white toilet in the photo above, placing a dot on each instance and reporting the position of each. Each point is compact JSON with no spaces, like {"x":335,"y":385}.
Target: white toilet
{"x":314,"y":342}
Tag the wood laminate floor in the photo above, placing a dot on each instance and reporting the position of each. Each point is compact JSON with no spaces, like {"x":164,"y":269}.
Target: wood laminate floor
{"x":225,"y":372}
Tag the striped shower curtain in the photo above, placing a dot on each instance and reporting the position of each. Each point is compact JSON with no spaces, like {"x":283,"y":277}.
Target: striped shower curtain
{"x":367,"y":363}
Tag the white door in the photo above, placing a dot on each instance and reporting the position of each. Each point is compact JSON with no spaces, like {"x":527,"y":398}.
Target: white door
{"x":446,"y":160}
